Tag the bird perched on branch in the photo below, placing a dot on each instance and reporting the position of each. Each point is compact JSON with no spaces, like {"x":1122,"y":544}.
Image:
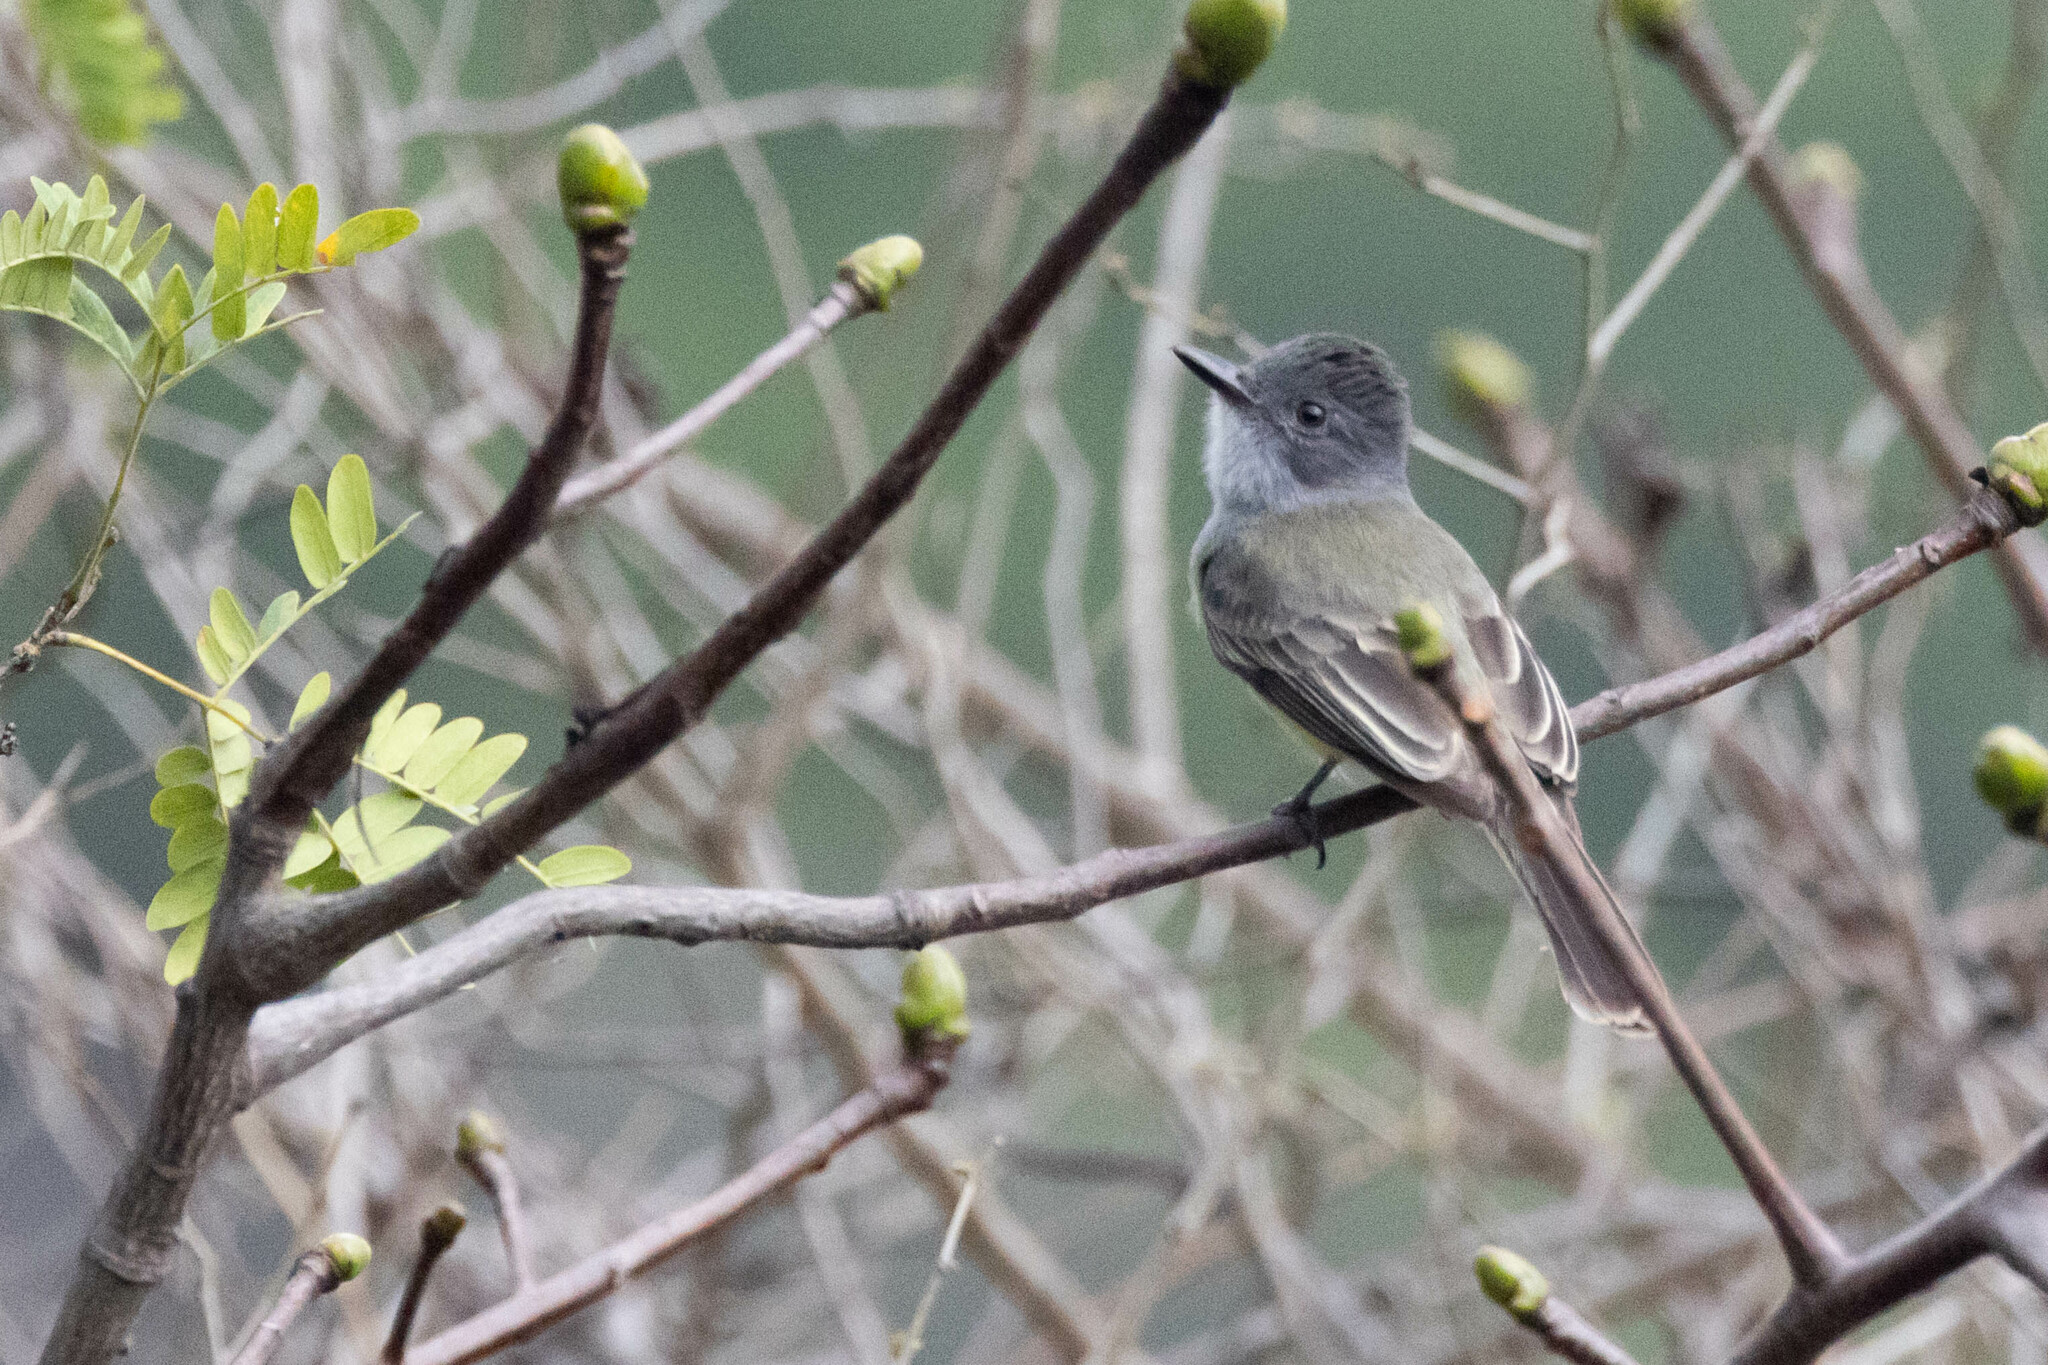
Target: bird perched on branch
{"x":1313,"y":544}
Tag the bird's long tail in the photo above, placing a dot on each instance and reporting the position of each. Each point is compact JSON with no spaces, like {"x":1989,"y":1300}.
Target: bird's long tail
{"x":1595,"y":983}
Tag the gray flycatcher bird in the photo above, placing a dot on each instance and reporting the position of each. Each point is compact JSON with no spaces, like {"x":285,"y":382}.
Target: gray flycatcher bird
{"x":1313,"y":543}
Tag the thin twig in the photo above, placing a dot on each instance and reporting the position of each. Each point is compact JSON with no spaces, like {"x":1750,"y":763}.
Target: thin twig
{"x":1828,"y":255}
{"x":314,"y":1274}
{"x":481,"y":1152}
{"x":840,"y":303}
{"x":1810,"y":1246}
{"x":904,"y":1089}
{"x":438,"y":1231}
{"x":327,"y":928}
{"x":912,"y":1340}
{"x":291,"y":1037}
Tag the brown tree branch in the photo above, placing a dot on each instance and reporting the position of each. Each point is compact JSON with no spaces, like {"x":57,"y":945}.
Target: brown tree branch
{"x":1810,"y":1246}
{"x":438,"y":1231}
{"x":1823,"y":242}
{"x":904,"y":1089}
{"x":328,"y":928}
{"x":481,"y":1151}
{"x":317,"y":1272}
{"x":293,"y":1036}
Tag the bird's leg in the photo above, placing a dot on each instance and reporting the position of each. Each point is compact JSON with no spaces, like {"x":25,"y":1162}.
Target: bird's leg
{"x":1297,"y":809}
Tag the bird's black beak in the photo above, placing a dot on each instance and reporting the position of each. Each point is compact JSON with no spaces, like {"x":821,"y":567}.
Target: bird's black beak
{"x":1218,"y":373}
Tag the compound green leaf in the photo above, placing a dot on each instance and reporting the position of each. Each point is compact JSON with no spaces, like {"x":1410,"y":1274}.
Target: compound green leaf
{"x":369,"y":823}
{"x":146,"y":254}
{"x":259,"y":233}
{"x":202,"y":840}
{"x":312,"y":698}
{"x":186,"y":802}
{"x":186,"y":896}
{"x":318,"y":559}
{"x":444,"y":748}
{"x":228,"y":313}
{"x":329,"y":876}
{"x":114,"y":254}
{"x":351,"y":512}
{"x":366,"y":232}
{"x":392,"y":750}
{"x":186,"y":763}
{"x":401,"y":851}
{"x":312,"y":849}
{"x":213,"y":656}
{"x":585,"y":865}
{"x":186,"y":949}
{"x":282,"y":611}
{"x":231,"y":626}
{"x":90,"y":315}
{"x":297,"y":224}
{"x":387,"y":714}
{"x":232,"y":755}
{"x":263,"y":300}
{"x":477,"y":770}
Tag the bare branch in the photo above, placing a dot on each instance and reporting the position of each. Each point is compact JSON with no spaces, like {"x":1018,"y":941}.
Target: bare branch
{"x":1834,"y":268}
{"x":481,"y":1152}
{"x":438,"y":1231}
{"x":1812,"y":1249}
{"x":623,"y":741}
{"x":904,"y":1089}
{"x":320,"y":1271}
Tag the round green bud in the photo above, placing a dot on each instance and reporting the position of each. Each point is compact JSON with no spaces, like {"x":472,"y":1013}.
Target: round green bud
{"x":476,"y":1133}
{"x":1419,"y":628}
{"x":1652,"y":20}
{"x":934,"y":1000}
{"x":602,"y":183}
{"x":442,"y":1226}
{"x":1483,"y":375}
{"x":2012,"y":776}
{"x":348,"y":1254}
{"x":1223,"y":41}
{"x":2018,"y":468}
{"x":1511,"y":1282}
{"x":1829,"y":164}
{"x":880,"y":268}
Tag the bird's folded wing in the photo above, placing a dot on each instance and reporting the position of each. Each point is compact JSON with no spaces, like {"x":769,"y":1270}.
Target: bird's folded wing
{"x":1347,"y":684}
{"x":1524,"y":694}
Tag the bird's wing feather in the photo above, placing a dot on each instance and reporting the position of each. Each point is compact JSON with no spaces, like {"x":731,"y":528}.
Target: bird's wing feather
{"x":1346,"y":684}
{"x":1524,"y":693}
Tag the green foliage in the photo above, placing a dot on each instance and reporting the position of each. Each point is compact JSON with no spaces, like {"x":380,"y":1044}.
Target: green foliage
{"x":253,"y":255}
{"x":100,"y":63}
{"x":424,"y":764}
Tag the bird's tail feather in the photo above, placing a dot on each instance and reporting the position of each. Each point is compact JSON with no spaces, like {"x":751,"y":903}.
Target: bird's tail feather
{"x":1595,"y":983}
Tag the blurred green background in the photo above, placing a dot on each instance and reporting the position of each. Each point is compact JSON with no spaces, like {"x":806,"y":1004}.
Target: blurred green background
{"x":1733,"y":352}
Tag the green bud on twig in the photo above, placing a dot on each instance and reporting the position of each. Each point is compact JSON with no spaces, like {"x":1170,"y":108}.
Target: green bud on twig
{"x":2018,"y":468}
{"x":1511,"y":1282}
{"x":602,"y":183}
{"x":442,"y":1226}
{"x":1420,"y":629}
{"x":348,"y":1254}
{"x":476,"y":1133}
{"x":1829,"y":164}
{"x":1483,"y":376}
{"x":1223,"y":41}
{"x":2012,"y":777}
{"x":1652,"y":21}
{"x":934,"y":1001}
{"x":880,"y":268}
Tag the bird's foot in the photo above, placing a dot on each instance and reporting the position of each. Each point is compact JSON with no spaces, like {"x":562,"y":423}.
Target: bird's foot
{"x":1303,"y":814}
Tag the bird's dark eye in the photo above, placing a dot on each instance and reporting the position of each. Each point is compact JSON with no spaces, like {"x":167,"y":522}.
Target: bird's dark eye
{"x":1310,"y":414}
